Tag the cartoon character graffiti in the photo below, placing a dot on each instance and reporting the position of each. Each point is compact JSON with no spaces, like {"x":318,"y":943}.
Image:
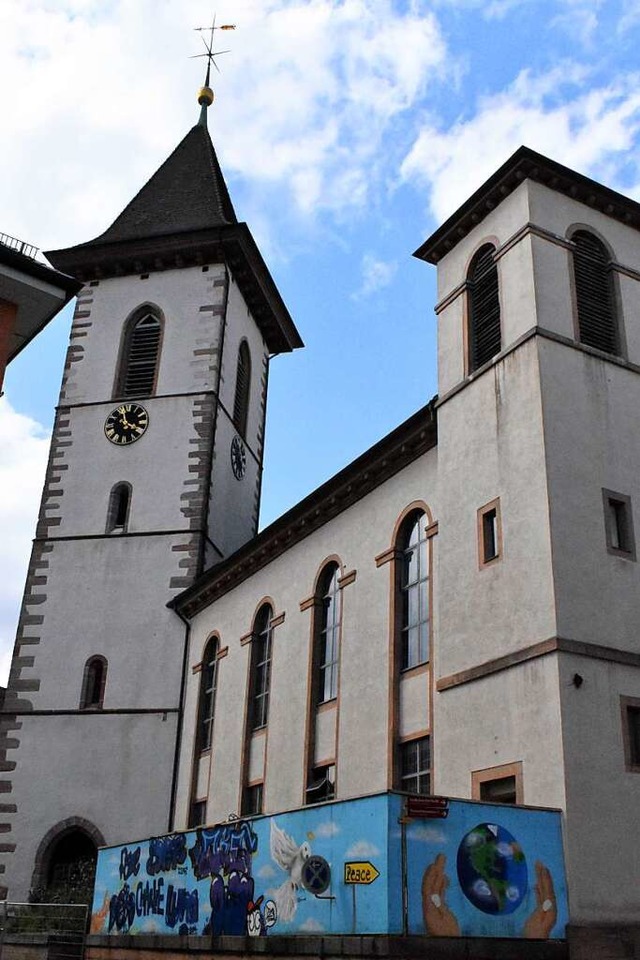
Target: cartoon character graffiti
{"x":258,"y":920}
{"x":290,"y":856}
{"x":224,"y":853}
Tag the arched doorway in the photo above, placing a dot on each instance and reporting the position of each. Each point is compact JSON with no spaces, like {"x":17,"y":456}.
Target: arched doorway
{"x":66,"y":863}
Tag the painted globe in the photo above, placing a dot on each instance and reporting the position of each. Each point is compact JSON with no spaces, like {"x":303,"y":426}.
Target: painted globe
{"x":492,"y":869}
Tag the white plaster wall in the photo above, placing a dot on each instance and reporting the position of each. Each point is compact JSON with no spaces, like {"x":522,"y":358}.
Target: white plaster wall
{"x":156,"y":466}
{"x":179,"y":294}
{"x":507,"y":717}
{"x":357,"y":536}
{"x":234,"y":505}
{"x":414,"y":703}
{"x":114,"y":771}
{"x":603,"y":799}
{"x":491,"y":445}
{"x":592,"y":441}
{"x":109,"y":597}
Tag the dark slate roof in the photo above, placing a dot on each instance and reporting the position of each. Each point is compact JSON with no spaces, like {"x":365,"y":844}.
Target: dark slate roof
{"x":183,"y":216}
{"x":188,"y":192}
{"x":526,"y":164}
{"x":376,"y":465}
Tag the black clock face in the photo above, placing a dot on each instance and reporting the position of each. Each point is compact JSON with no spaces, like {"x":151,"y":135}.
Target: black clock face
{"x":126,"y":424}
{"x":238,"y":458}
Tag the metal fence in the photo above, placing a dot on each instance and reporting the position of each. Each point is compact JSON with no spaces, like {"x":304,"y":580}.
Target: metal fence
{"x":26,"y":248}
{"x":56,"y":931}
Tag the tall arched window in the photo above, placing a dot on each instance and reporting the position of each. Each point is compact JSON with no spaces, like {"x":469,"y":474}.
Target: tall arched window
{"x":260,"y":668}
{"x":93,"y":683}
{"x":140,"y":355}
{"x":484,"y":307}
{"x":413,"y":591}
{"x":327,"y":634}
{"x":118,"y":510}
{"x":207,"y":698}
{"x":243,"y":384}
{"x":594,"y":293}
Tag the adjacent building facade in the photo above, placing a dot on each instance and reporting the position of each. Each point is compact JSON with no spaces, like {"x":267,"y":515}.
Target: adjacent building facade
{"x":453,"y":613}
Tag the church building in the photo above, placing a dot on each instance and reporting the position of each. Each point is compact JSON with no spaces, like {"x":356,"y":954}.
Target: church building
{"x":454,"y":614}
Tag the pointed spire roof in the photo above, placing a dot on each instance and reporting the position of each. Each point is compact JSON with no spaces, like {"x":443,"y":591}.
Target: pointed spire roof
{"x":183,"y":216}
{"x":188,"y":192}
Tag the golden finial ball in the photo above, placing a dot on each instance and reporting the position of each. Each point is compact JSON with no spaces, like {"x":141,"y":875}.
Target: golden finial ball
{"x":205,"y":96}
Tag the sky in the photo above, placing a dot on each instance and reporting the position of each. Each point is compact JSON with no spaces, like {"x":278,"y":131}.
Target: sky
{"x":347,"y":131}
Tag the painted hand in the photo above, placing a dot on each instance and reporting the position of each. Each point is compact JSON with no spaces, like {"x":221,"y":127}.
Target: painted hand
{"x":99,"y":917}
{"x":439,"y":921}
{"x":543,"y":919}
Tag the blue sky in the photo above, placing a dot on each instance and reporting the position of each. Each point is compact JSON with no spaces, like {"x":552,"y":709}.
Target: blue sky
{"x":347,"y":130}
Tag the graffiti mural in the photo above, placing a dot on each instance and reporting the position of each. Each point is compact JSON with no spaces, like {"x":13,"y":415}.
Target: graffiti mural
{"x":343,"y":868}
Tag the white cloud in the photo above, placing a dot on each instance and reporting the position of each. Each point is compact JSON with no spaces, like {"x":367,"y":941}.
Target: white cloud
{"x":24,"y":445}
{"x":312,"y":926}
{"x":376,"y":274}
{"x":266,"y":872}
{"x":305,"y":97}
{"x":362,"y":849}
{"x":327,"y":829}
{"x":428,"y":835}
{"x":585,"y":131}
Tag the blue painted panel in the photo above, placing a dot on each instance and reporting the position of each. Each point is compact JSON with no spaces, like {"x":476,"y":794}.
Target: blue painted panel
{"x":245,"y":876}
{"x":488,"y":870}
{"x":485,"y":870}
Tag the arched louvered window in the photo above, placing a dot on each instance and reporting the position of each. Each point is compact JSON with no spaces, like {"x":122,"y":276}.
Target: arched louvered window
{"x":243,"y":383}
{"x":207,"y":699}
{"x":118,"y":510}
{"x":594,"y":293}
{"x":140,"y":355}
{"x":413,"y":591}
{"x":484,"y":308}
{"x":261,"y":667}
{"x":327,"y":634}
{"x":93,"y":683}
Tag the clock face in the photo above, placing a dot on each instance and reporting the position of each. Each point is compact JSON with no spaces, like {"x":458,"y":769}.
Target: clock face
{"x":238,"y":458}
{"x":126,"y":424}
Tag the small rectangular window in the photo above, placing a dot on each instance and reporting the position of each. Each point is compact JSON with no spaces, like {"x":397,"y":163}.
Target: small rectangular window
{"x":489,"y":533}
{"x":252,"y":799}
{"x":631,"y":732}
{"x":322,"y":784}
{"x":415,"y":766}
{"x":197,"y":813}
{"x":501,"y":784}
{"x":618,"y":521}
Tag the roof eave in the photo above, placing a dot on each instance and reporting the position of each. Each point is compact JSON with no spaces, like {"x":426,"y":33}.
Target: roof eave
{"x":522,"y":165}
{"x":376,"y":465}
{"x":228,"y":243}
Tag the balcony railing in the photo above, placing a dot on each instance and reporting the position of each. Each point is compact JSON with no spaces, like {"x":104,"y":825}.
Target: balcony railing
{"x":19,"y":245}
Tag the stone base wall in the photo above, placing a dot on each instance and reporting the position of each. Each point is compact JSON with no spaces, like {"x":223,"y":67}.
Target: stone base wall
{"x":302,"y":948}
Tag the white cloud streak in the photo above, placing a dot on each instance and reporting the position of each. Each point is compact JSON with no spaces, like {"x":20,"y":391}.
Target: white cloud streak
{"x":24,"y":447}
{"x":592,"y":129}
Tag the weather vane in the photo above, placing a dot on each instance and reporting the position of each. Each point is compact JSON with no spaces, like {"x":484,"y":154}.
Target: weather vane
{"x":210,"y":53}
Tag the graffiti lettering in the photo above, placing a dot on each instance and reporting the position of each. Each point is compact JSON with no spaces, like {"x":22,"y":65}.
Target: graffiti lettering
{"x":129,"y":863}
{"x":150,"y":897}
{"x":122,"y":910}
{"x":166,"y":853}
{"x":223,"y":849}
{"x":182,"y":906}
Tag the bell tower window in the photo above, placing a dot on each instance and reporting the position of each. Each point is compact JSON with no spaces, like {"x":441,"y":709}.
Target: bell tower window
{"x":118,"y":511}
{"x":243,"y":383}
{"x":595,"y":301}
{"x":93,"y":683}
{"x":140,"y":355}
{"x":483,"y":308}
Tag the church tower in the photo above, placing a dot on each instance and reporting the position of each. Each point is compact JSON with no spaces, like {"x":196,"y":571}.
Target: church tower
{"x":154,"y":474}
